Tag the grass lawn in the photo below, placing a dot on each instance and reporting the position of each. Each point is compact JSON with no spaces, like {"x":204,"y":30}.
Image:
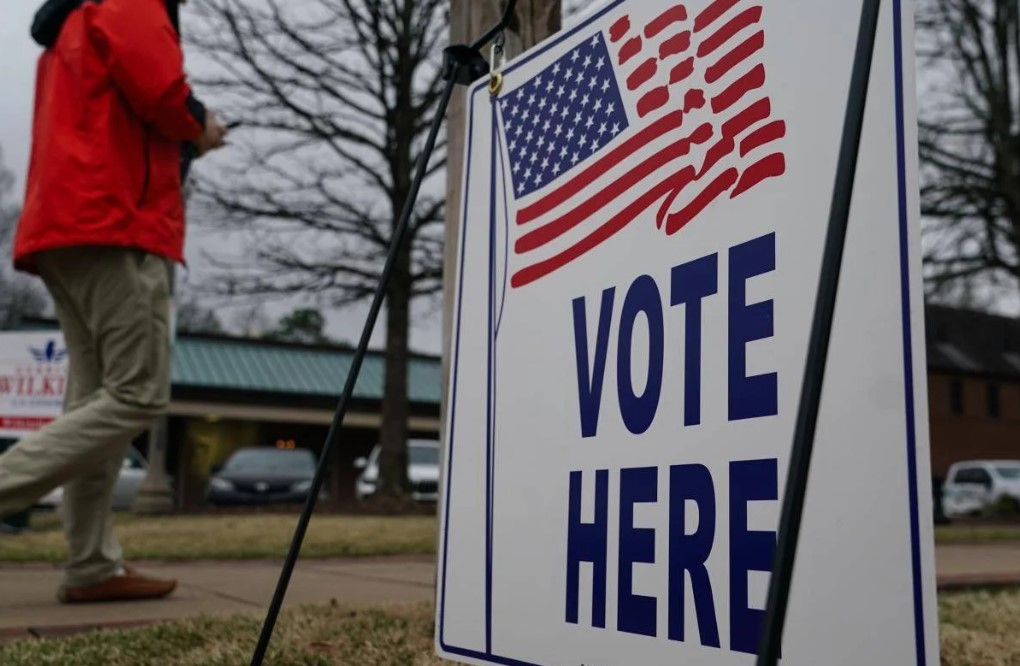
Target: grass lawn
{"x":233,"y":537}
{"x":963,"y":533}
{"x":978,"y":629}
{"x":254,"y":536}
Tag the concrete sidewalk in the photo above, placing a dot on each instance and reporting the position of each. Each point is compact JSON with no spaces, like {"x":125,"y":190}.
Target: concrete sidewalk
{"x":28,"y":606}
{"x":961,"y":566}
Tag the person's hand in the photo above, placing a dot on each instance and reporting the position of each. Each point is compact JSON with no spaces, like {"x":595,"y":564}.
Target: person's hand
{"x":212,"y":137}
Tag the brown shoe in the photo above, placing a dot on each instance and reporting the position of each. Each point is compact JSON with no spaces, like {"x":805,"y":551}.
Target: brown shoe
{"x":128,"y":586}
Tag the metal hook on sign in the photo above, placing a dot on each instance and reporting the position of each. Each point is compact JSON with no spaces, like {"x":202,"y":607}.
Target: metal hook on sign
{"x":498,"y":60}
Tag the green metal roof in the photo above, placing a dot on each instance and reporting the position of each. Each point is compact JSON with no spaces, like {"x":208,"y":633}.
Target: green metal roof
{"x":242,"y":365}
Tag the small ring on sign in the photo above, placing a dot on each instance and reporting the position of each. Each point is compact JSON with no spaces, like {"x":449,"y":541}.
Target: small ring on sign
{"x":495,"y":83}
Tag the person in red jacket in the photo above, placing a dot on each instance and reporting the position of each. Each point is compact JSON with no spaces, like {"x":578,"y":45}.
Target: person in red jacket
{"x":102,"y":224}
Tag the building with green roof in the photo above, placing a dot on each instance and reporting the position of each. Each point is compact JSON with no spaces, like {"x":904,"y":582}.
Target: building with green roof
{"x":230,"y":393}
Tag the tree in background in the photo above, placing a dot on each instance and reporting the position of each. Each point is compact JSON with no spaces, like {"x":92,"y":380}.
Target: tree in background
{"x":303,"y":325}
{"x":193,"y":317}
{"x":250,"y":322}
{"x":969,"y":52}
{"x":20,"y":295}
{"x":335,"y":98}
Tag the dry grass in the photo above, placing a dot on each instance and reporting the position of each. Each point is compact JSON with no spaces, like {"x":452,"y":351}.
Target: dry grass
{"x":978,"y":629}
{"x":313,"y":636}
{"x":236,"y":537}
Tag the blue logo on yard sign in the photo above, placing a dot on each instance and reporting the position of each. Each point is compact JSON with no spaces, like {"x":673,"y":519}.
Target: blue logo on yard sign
{"x":48,"y":354}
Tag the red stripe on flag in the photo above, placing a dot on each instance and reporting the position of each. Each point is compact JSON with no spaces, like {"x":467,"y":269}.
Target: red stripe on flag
{"x":619,"y":29}
{"x":678,"y":220}
{"x":660,"y":127}
{"x":763,"y":135}
{"x":549,"y":232}
{"x":711,"y":13}
{"x":675,"y":45}
{"x":751,"y":81}
{"x":749,"y":47}
{"x":682,"y":71}
{"x":753,"y":114}
{"x":630,"y":49}
{"x":728,"y":31}
{"x":684,"y":177}
{"x":527,"y":275}
{"x":731,"y":129}
{"x":694,"y":99}
{"x":653,"y":100}
{"x":666,"y":19}
{"x":643,"y":74}
{"x":767,"y":167}
{"x":723,"y":147}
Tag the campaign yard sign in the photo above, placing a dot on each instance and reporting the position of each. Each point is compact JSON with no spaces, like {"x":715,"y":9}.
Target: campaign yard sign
{"x":33,"y":377}
{"x":645,"y":204}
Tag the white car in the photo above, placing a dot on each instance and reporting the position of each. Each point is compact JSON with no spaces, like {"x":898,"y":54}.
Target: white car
{"x":422,"y":471}
{"x":132,"y":473}
{"x":975,"y":484}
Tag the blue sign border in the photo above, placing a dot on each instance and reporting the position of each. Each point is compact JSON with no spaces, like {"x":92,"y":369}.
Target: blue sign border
{"x":908,"y":371}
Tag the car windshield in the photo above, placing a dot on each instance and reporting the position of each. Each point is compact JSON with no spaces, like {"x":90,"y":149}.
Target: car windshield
{"x":271,"y":460}
{"x":1011,"y":472}
{"x":423,"y":455}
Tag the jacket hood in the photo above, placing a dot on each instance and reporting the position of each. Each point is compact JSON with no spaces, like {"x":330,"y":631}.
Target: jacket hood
{"x":50,"y":19}
{"x":53,"y":14}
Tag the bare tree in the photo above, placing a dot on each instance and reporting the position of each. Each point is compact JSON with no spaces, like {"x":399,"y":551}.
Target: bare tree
{"x":194,"y":317}
{"x":20,"y":296}
{"x":970,"y":145}
{"x":335,"y":98}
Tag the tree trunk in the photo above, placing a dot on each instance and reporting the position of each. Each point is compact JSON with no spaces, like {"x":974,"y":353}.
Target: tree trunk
{"x":393,"y":480}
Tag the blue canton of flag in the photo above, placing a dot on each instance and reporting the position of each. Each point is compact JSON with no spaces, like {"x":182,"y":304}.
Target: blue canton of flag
{"x":563,"y":116}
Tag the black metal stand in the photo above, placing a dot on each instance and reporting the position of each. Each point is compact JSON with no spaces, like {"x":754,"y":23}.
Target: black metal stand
{"x":818,"y":347}
{"x":463,"y":65}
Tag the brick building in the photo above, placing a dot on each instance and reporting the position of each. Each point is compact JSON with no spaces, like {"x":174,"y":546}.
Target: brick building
{"x":973,"y":386}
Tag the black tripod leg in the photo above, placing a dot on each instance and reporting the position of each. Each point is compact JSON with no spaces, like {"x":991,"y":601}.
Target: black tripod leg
{"x":818,"y":346}
{"x":399,"y":238}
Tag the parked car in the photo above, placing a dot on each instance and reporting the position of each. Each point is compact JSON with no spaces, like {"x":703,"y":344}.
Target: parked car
{"x":422,"y":471}
{"x":263,"y":475}
{"x":129,"y":480}
{"x":975,"y":484}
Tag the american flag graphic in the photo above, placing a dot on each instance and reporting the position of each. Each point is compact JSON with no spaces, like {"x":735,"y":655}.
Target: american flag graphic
{"x":671,"y":113}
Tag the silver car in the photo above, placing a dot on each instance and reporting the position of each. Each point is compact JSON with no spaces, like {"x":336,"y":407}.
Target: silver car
{"x":973,"y":485}
{"x":422,"y":471}
{"x":132,"y":473}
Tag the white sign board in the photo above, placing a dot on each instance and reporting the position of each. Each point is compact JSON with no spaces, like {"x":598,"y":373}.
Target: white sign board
{"x":33,"y":377}
{"x":645,"y":204}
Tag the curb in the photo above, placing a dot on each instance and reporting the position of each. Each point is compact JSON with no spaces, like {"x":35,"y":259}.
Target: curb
{"x":963,"y":582}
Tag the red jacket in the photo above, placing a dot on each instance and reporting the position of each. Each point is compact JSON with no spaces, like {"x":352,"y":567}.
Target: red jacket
{"x":112,"y":109}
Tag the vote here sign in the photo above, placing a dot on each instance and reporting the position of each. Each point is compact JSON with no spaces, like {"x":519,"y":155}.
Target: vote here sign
{"x":645,"y":204}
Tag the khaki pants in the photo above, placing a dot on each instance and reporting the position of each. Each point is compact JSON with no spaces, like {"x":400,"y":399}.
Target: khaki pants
{"x":113,"y":307}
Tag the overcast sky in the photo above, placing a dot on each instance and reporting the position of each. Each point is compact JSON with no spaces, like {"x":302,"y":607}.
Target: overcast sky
{"x":17,"y":82}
